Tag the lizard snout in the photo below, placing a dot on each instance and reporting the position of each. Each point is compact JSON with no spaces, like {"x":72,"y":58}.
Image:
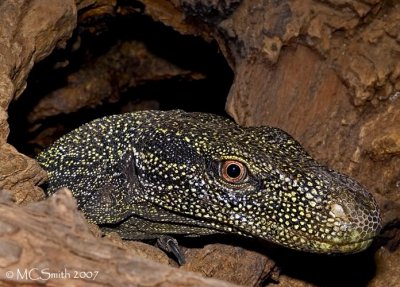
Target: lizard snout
{"x":356,"y":219}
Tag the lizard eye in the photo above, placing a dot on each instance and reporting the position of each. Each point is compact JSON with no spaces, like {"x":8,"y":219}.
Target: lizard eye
{"x":233,"y":171}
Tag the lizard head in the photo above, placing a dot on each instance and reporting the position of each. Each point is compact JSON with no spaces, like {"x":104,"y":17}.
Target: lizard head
{"x":257,"y":182}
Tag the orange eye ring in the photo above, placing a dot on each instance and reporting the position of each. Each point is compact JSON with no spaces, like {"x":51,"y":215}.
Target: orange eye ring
{"x":233,"y":171}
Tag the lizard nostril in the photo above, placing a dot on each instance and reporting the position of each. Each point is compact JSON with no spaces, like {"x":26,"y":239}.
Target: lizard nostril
{"x":337,"y":211}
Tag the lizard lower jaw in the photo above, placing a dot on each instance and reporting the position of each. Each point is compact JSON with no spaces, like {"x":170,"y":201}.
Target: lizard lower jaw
{"x":348,"y":247}
{"x":352,"y":243}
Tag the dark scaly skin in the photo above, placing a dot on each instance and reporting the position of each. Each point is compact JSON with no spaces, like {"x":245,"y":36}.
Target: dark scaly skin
{"x":152,"y":173}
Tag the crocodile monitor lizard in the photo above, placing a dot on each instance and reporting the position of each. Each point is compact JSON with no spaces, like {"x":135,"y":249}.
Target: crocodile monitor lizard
{"x":154,"y":173}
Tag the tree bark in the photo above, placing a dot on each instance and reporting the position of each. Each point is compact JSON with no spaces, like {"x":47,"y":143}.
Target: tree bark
{"x":49,"y":243}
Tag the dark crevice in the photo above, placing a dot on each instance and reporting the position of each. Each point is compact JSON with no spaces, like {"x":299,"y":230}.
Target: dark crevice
{"x":188,"y":52}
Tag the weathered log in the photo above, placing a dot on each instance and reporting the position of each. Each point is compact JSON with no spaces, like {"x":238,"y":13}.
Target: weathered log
{"x":30,"y":30}
{"x":49,"y":243}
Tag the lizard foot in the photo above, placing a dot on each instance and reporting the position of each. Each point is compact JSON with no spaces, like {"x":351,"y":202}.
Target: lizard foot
{"x":169,"y":244}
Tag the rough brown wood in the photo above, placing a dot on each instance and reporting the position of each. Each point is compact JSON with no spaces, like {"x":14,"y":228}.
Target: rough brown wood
{"x":233,"y":264}
{"x":49,"y":243}
{"x":30,"y":30}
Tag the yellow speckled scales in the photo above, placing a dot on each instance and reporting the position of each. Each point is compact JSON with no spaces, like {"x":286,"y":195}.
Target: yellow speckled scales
{"x":151,"y":173}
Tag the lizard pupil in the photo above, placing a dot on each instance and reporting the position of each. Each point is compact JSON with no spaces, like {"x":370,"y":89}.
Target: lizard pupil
{"x":233,"y":171}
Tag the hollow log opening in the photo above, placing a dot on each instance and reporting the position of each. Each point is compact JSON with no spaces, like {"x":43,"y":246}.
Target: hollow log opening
{"x":111,"y":66}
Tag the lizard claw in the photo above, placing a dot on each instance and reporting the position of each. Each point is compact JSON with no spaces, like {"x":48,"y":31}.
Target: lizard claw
{"x":170,"y":244}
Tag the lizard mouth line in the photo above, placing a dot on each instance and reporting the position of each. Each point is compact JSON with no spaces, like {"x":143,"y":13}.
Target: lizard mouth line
{"x":320,"y":245}
{"x":348,"y":243}
{"x":343,"y":247}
